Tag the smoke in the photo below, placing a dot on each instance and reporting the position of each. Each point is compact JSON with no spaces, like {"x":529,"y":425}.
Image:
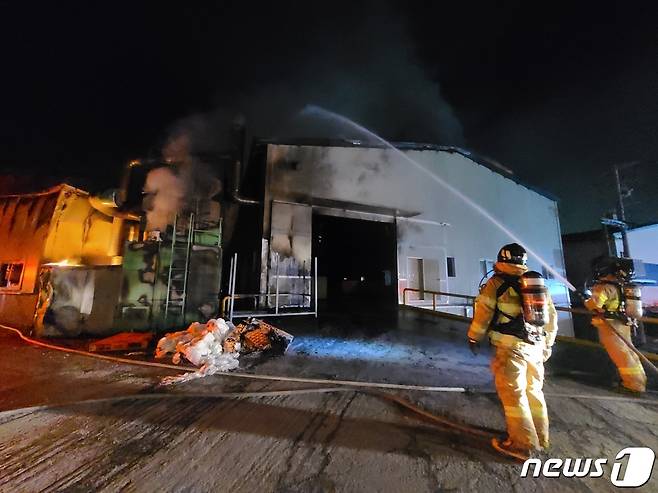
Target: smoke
{"x":165,"y":193}
{"x":364,"y":67}
{"x":187,"y":184}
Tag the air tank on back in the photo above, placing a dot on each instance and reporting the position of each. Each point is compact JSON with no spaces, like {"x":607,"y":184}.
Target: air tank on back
{"x":534,"y":298}
{"x":632,"y":300}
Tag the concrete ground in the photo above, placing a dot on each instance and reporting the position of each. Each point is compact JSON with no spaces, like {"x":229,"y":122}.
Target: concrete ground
{"x":343,"y":441}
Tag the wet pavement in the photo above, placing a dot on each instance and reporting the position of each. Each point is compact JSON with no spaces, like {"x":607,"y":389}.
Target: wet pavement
{"x":345,"y":441}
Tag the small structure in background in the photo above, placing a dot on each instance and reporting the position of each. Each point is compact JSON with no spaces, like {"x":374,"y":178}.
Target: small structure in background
{"x":582,"y":249}
{"x":60,"y":261}
{"x":171,"y":273}
{"x":72,"y":263}
{"x":643,"y":245}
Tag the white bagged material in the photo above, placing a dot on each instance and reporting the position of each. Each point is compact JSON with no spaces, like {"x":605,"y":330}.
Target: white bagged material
{"x":201,"y":345}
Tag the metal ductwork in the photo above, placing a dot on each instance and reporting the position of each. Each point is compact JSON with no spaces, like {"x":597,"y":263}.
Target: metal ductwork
{"x":239,"y":137}
{"x":108,"y":204}
{"x":122,"y":193}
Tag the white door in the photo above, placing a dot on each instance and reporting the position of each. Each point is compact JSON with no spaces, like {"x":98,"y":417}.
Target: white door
{"x":415,"y":278}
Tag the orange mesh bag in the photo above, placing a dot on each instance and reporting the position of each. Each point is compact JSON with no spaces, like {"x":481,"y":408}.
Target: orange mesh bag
{"x":258,"y":339}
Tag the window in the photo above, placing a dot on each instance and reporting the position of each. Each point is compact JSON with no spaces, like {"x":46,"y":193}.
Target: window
{"x":451,"y":266}
{"x":486,"y":266}
{"x":11,"y":275}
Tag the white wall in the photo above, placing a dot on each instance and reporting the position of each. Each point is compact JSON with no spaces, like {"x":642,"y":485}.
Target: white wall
{"x":643,"y":244}
{"x":442,"y":225}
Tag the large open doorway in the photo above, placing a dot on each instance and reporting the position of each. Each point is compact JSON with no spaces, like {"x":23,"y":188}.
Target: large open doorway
{"x":357,"y":263}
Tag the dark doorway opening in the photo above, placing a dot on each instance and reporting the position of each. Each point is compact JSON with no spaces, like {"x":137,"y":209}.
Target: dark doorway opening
{"x":357,"y":263}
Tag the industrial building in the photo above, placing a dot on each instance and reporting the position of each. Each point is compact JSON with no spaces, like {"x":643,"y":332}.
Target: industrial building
{"x":305,"y":226}
{"x":378,"y":224}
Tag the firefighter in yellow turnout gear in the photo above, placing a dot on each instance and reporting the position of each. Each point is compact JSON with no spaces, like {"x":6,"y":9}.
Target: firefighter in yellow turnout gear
{"x":611,"y":309}
{"x":520,"y":352}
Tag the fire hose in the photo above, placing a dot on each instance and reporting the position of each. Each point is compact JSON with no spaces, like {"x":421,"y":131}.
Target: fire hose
{"x":630,"y":346}
{"x":354,"y":384}
{"x":437,"y":420}
{"x":627,"y":343}
{"x":344,"y":386}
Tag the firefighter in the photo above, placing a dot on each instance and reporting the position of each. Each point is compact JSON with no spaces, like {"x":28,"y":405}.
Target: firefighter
{"x":521,"y":348}
{"x":614,"y":302}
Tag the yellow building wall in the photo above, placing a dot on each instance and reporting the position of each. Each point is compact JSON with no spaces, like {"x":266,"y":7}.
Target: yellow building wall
{"x":55,"y":226}
{"x":80,"y":234}
{"x":24,"y":227}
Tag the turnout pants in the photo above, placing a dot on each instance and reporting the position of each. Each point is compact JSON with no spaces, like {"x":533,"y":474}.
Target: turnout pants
{"x":519,"y":378}
{"x":627,"y":362}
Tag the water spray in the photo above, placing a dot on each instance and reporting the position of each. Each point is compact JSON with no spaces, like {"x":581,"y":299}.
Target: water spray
{"x":330,"y":115}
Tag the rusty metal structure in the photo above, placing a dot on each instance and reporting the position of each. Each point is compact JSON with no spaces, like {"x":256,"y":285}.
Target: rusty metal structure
{"x":60,"y":260}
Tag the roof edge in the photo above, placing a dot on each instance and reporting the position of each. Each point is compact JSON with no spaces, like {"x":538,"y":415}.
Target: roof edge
{"x":48,"y":191}
{"x":488,"y":163}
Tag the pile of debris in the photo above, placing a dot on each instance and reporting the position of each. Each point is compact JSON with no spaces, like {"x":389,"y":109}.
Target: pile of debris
{"x":217,"y":345}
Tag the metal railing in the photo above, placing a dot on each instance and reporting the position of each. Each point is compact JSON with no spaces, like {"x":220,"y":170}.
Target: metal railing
{"x":435,"y":294}
{"x":583,"y":311}
{"x":576,"y":311}
{"x":228,"y":302}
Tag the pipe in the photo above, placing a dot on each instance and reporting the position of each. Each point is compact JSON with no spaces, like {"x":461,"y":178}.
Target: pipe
{"x":109,"y":207}
{"x":239,"y":152}
{"x":237,"y":170}
{"x":316,"y":286}
{"x":232,"y":293}
{"x":122,"y":194}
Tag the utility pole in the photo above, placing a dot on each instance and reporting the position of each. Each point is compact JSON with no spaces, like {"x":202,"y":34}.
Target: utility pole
{"x":620,"y":206}
{"x":622,"y":214}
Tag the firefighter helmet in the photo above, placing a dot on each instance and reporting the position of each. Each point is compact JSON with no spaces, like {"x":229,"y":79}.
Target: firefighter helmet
{"x":615,"y":266}
{"x":513,"y":254}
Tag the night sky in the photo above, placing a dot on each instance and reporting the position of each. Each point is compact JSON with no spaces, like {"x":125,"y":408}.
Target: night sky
{"x":557,"y":92}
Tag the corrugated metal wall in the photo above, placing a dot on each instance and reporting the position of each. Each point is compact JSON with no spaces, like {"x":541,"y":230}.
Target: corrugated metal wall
{"x":24,"y":226}
{"x":432,"y":223}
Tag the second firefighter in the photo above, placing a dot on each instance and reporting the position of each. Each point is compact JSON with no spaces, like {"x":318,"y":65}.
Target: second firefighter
{"x":616,"y":304}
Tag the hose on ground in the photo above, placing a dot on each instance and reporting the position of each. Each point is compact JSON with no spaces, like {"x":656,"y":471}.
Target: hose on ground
{"x":630,"y":346}
{"x":436,"y":420}
{"x":352,"y":384}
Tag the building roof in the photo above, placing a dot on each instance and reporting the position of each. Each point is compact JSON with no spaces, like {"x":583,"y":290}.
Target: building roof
{"x":49,"y":191}
{"x":488,"y":163}
{"x":644,"y":226}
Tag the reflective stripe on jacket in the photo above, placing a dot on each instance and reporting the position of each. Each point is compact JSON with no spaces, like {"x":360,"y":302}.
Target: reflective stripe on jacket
{"x":605,"y":297}
{"x":509,"y":302}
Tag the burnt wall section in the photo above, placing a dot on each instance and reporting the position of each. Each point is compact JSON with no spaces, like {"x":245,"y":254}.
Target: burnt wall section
{"x":290,"y":263}
{"x":143,"y":291}
{"x":413,"y":187}
{"x":243,"y":226}
{"x":78,"y":300}
{"x":58,"y":226}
